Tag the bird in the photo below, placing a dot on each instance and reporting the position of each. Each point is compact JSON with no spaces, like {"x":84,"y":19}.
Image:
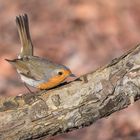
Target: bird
{"x":36,"y":71}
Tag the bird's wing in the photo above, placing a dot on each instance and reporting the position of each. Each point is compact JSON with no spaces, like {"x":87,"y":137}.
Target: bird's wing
{"x":29,"y":69}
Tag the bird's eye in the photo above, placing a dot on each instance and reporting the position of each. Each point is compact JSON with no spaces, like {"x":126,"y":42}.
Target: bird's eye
{"x":60,"y":73}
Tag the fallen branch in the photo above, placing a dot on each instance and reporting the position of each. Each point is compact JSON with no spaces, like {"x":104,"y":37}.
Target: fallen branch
{"x":75,"y":105}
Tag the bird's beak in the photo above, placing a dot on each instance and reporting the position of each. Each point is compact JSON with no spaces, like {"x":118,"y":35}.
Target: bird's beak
{"x":72,"y":75}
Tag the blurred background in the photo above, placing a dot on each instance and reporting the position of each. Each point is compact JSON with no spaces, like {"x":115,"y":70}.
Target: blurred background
{"x":83,"y":35}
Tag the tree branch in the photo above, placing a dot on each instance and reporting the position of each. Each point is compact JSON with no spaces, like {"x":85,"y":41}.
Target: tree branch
{"x":75,"y":105}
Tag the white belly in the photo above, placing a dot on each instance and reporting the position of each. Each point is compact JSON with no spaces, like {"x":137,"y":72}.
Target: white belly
{"x":29,"y":81}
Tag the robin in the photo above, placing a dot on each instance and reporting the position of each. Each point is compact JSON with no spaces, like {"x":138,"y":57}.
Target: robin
{"x":35,"y":71}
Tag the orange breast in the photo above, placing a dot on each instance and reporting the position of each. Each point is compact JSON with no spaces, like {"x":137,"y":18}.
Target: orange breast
{"x":54,"y":81}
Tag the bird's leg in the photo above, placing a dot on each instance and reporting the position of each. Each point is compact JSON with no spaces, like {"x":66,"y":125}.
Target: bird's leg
{"x":27,"y":87}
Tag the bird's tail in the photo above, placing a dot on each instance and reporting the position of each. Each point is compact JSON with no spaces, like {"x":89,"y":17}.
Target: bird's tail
{"x":24,"y":33}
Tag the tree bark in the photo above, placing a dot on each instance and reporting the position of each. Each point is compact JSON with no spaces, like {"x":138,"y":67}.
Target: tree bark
{"x":74,"y":105}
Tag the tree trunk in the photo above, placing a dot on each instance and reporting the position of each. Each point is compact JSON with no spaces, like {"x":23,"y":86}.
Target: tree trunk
{"x":74,"y":105}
